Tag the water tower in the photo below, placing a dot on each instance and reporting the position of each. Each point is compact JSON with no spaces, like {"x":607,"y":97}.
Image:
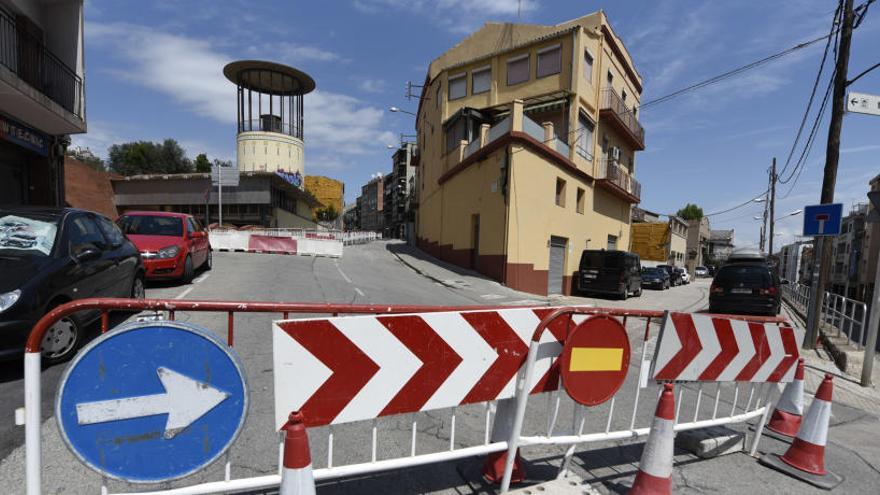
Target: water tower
{"x":270,"y":115}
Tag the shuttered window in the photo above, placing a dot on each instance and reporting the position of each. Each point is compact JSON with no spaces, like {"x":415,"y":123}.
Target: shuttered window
{"x":518,"y":70}
{"x":457,"y":86}
{"x":482,"y":79}
{"x":549,"y":61}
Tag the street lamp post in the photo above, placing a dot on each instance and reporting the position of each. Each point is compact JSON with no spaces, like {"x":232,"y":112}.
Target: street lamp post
{"x":395,"y":110}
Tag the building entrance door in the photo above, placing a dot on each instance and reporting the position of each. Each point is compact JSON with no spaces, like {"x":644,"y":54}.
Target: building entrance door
{"x":557,"y":264}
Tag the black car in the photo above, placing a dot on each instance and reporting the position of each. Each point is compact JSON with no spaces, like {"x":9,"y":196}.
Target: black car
{"x":745,"y":287}
{"x":49,"y":256}
{"x":674,"y":275}
{"x":609,"y":272}
{"x":654,"y":277}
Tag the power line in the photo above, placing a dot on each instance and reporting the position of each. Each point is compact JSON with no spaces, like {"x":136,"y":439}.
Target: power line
{"x":746,"y":203}
{"x":732,"y":72}
{"x":869,"y":69}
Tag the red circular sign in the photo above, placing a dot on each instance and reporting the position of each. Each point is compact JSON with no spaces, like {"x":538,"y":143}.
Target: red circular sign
{"x":595,"y":360}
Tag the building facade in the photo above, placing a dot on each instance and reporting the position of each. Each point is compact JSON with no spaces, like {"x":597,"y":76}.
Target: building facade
{"x":263,"y":199}
{"x":660,"y":242}
{"x":371,"y":205}
{"x":527,"y":137}
{"x":848,"y":249}
{"x":791,"y":258}
{"x":42,"y":101}
{"x":720,"y":245}
{"x":868,"y":265}
{"x":399,"y":211}
{"x":329,"y":192}
{"x":697,"y":243}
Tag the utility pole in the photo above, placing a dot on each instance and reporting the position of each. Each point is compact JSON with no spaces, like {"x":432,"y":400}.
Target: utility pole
{"x":772,"y":206}
{"x":822,"y":247}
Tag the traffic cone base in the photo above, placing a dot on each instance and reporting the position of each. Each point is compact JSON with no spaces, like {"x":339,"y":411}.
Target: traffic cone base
{"x":827,"y":481}
{"x":784,"y":423}
{"x":493,"y":468}
{"x":648,"y":484}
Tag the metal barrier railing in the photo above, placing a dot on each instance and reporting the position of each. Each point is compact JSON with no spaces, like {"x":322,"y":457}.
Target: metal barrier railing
{"x":617,"y":424}
{"x":842,"y":315}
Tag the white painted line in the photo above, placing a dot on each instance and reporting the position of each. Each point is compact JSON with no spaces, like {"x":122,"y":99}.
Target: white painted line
{"x":184,"y":293}
{"x":343,"y":274}
{"x":201,"y":278}
{"x":492,"y":296}
{"x":360,"y":292}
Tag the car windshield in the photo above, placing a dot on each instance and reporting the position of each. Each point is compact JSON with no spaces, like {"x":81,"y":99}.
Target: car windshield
{"x":151,"y":225}
{"x":651,"y":271}
{"x":20,"y":235}
{"x":743,"y":274}
{"x":598,"y":259}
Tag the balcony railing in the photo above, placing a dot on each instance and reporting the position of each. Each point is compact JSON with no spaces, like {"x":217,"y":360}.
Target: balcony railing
{"x":610,"y":171}
{"x":583,"y":153}
{"x":612,"y":103}
{"x":28,"y":58}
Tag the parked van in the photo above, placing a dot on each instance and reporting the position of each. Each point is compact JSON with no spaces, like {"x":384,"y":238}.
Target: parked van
{"x":615,"y":273}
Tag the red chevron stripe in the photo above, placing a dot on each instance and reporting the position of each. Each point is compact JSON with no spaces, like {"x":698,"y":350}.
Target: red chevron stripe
{"x":762,"y":353}
{"x":729,"y":349}
{"x":559,"y":327}
{"x":351,"y":368}
{"x":511,"y":354}
{"x":789,"y":344}
{"x":690,"y":347}
{"x":438,"y":362}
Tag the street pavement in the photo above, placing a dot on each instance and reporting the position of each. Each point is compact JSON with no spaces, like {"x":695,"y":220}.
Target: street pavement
{"x":393,"y":273}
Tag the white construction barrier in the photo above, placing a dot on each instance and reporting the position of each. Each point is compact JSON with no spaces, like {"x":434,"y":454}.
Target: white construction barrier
{"x":277,"y":241}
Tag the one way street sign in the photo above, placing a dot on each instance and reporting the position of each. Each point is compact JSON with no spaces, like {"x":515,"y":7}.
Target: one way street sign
{"x":338,"y":370}
{"x":863,"y":103}
{"x":150,"y":402}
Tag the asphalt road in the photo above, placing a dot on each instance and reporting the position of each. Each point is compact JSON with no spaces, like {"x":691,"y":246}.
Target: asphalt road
{"x":373,"y":274}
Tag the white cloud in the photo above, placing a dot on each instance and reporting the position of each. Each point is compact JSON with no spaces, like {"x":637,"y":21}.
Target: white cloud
{"x":461,"y":16}
{"x":189,"y":70}
{"x":372,"y":85}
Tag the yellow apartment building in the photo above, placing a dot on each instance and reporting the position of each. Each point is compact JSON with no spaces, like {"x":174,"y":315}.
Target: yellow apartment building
{"x":661,"y":242}
{"x":528,"y":135}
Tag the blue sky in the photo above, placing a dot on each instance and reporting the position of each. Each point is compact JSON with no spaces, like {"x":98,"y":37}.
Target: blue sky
{"x":154,"y":71}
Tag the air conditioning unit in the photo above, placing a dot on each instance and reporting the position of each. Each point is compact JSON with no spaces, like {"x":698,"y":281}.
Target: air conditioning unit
{"x":615,"y":153}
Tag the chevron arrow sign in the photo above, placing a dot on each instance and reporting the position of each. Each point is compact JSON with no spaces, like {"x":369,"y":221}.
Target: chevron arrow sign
{"x":695,"y":347}
{"x":339,"y":370}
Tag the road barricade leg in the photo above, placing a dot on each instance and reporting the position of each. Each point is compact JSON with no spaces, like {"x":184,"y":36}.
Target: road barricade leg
{"x":296,"y":473}
{"x":655,"y":469}
{"x":493,"y":468}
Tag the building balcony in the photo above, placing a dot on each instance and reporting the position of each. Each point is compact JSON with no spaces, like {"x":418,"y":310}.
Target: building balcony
{"x":42,"y":90}
{"x":612,"y":177}
{"x":614,"y":110}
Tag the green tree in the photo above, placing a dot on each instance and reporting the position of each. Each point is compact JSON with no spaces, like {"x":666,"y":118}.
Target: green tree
{"x":202,"y":164}
{"x":327,"y":214}
{"x":690,"y":212}
{"x":145,"y":157}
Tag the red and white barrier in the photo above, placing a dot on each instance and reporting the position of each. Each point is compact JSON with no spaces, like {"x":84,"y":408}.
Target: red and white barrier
{"x":805,"y":459}
{"x":276,"y":242}
{"x":786,"y":419}
{"x":655,"y":469}
{"x":296,"y":470}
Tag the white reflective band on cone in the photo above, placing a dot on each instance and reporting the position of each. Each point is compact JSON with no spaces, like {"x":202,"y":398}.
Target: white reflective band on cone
{"x":657,"y":456}
{"x":297,"y":481}
{"x":814,"y":427}
{"x":792,"y":399}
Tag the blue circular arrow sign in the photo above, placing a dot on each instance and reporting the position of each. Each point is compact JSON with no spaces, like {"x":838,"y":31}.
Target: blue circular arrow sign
{"x":151,"y":402}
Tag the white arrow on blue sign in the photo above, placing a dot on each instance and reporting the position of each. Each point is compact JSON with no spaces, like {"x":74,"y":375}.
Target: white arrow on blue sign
{"x":152,"y":402}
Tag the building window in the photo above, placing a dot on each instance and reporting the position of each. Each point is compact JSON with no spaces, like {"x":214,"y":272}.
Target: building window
{"x":580,"y":200}
{"x":518,"y":70}
{"x":457,"y":86}
{"x":560,"y":192}
{"x":610,"y":78}
{"x":481,"y":80}
{"x":588,"y":66}
{"x":612,"y":242}
{"x":456,"y":133}
{"x":549,"y":61}
{"x":584,"y":142}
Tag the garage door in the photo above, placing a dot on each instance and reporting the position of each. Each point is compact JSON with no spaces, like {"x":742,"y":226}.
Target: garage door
{"x":557,"y":264}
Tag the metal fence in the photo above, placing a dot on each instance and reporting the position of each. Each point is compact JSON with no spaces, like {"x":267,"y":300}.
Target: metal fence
{"x":840,"y":315}
{"x":627,"y":415}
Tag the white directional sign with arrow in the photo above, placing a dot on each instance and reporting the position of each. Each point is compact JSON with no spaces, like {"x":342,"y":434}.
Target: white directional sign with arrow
{"x":863,"y":103}
{"x":152,"y":401}
{"x":184,"y":401}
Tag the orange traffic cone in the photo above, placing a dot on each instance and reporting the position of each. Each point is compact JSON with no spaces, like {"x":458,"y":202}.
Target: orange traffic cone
{"x":493,"y":467}
{"x":296,"y":474}
{"x":655,"y":469}
{"x":805,"y":459}
{"x":789,"y":410}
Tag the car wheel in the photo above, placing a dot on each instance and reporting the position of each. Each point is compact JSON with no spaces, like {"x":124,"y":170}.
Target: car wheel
{"x":188,"y":270}
{"x":209,"y":261}
{"x":639,"y":292}
{"x":625,"y":294}
{"x":137,"y":287}
{"x":61,"y":340}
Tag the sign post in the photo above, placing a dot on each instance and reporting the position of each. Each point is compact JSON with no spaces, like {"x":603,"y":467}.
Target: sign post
{"x":874,"y":318}
{"x":223,"y":175}
{"x":819,"y":221}
{"x":168,"y":392}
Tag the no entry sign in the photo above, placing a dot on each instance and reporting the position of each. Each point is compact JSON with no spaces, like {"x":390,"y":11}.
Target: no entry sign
{"x":595,"y":360}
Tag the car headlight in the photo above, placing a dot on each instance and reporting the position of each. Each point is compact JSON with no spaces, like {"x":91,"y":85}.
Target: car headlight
{"x":8,"y":299}
{"x":168,"y":252}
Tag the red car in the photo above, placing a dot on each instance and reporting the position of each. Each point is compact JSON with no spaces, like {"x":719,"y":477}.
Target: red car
{"x":172,"y":245}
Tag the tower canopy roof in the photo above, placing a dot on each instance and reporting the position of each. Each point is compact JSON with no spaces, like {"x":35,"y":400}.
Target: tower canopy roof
{"x":269,"y":77}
